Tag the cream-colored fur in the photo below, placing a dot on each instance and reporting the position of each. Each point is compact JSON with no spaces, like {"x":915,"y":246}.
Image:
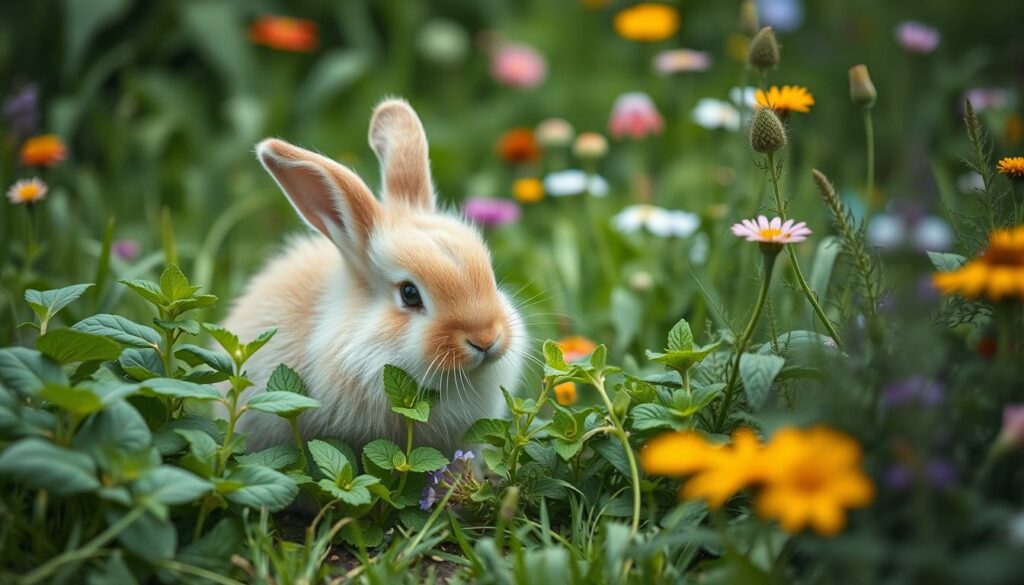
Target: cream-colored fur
{"x":333,"y":298}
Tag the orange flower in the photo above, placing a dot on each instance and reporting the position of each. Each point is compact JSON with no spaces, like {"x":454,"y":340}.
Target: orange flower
{"x":576,"y":347}
{"x":43,"y":151}
{"x":284,"y":33}
{"x":518,"y":146}
{"x":647,"y":22}
{"x":789,"y":98}
{"x":565,"y":393}
{"x":528,"y":190}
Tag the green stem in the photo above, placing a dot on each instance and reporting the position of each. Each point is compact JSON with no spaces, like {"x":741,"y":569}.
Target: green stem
{"x":85,"y":552}
{"x":768,"y":264}
{"x":869,"y":133}
{"x":620,"y":434}
{"x":811,"y":297}
{"x":299,"y":443}
{"x":521,"y":438}
{"x":408,"y":451}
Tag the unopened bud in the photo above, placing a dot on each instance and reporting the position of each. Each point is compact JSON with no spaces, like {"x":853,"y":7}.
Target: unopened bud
{"x":590,"y":146}
{"x":763,"y":54}
{"x":862,"y":91}
{"x":749,"y":22}
{"x":767,"y":134}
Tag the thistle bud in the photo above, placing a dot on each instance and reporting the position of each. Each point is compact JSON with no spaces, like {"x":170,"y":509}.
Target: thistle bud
{"x":763,"y":54}
{"x":748,"y":17}
{"x":767,"y":134}
{"x":862,"y":91}
{"x":590,"y":146}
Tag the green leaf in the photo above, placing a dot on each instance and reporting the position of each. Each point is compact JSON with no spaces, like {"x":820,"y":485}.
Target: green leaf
{"x":174,"y":284}
{"x":492,"y":431}
{"x":42,"y":465}
{"x":253,"y":346}
{"x":599,"y":358}
{"x":141,"y":364}
{"x":26,"y":371}
{"x":189,"y":326}
{"x":354,"y":494}
{"x":627,"y":312}
{"x":426,"y":459}
{"x":46,"y":304}
{"x":179,"y":389}
{"x":226,"y":339}
{"x":682,"y":360}
{"x":328,"y":459}
{"x":80,"y":400}
{"x":946,"y":262}
{"x":115,"y":570}
{"x":553,"y":357}
{"x":283,"y":404}
{"x":335,"y":71}
{"x":147,"y":290}
{"x":400,"y":387}
{"x":68,"y":346}
{"x":680,"y":338}
{"x":655,"y":416}
{"x":194,"y":355}
{"x":119,"y":329}
{"x":119,"y":428}
{"x":276,"y":457}
{"x":382,"y":453}
{"x":82,"y":22}
{"x":202,"y":448}
{"x":195,"y":302}
{"x":419,"y":412}
{"x":758,"y":372}
{"x":168,"y":441}
{"x":261,"y":487}
{"x":825,"y":255}
{"x":697,"y":399}
{"x":568,"y":449}
{"x":285,"y":379}
{"x":150,"y":537}
{"x":170,"y":486}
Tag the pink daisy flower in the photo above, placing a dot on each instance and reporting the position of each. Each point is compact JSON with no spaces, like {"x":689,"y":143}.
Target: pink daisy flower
{"x":635,"y":115}
{"x":771,"y":232}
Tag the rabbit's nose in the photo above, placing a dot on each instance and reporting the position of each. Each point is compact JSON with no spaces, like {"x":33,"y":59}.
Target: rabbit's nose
{"x":483,"y":343}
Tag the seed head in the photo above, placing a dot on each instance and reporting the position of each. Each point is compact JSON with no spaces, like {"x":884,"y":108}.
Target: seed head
{"x":767,"y":133}
{"x":764,"y":50}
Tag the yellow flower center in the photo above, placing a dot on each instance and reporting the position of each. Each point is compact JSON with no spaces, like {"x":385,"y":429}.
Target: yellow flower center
{"x":769,"y":234}
{"x":807,"y":479}
{"x":29,"y":191}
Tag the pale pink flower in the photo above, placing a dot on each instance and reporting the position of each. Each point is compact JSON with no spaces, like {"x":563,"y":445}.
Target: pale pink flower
{"x":518,"y":65}
{"x":916,"y":37}
{"x":635,"y":115}
{"x":681,"y":61}
{"x":1013,"y":425}
{"x":771,"y":232}
{"x":491,"y":212}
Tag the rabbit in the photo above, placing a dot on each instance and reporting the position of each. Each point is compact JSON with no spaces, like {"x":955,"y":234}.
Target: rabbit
{"x":390,"y":281}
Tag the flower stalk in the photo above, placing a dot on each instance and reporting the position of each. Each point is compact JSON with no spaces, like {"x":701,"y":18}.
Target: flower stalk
{"x":623,"y":437}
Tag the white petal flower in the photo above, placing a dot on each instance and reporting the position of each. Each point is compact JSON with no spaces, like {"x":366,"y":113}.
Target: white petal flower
{"x":658,"y":221}
{"x":711,"y":113}
{"x":932,"y":234}
{"x":886,"y":231}
{"x":574,"y":182}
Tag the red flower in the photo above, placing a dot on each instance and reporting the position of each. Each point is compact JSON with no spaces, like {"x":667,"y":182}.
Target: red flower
{"x":284,"y":33}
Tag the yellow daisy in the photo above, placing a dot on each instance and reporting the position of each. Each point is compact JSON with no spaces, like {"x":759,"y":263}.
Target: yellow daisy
{"x":528,"y":190}
{"x":788,"y":98}
{"x":1012,"y":167}
{"x":27,"y":191}
{"x":811,"y":477}
{"x":996,"y":274}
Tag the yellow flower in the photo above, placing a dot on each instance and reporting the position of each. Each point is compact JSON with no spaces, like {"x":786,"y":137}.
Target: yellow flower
{"x":788,"y":98}
{"x":719,"y":471}
{"x":811,"y":477}
{"x":27,"y":191}
{"x":46,"y":150}
{"x":647,"y":22}
{"x":996,"y":274}
{"x":576,"y":347}
{"x":1012,"y":167}
{"x":528,"y":190}
{"x":565,"y":393}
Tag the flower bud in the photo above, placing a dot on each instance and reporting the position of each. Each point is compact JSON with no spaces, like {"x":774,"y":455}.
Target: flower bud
{"x":748,"y":17}
{"x":554,"y":133}
{"x":590,"y":146}
{"x":862,"y":91}
{"x":767,"y":134}
{"x":763,"y":54}
{"x":509,"y":503}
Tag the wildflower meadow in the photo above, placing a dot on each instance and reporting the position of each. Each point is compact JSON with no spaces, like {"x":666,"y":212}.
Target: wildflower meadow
{"x":565,"y":291}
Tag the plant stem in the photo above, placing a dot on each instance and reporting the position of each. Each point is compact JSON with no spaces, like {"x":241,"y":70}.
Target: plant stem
{"x":408,"y":451}
{"x":549,"y":383}
{"x":85,"y":552}
{"x":811,"y":297}
{"x":869,"y":135}
{"x":768,"y":264}
{"x":620,"y":433}
{"x":299,"y":443}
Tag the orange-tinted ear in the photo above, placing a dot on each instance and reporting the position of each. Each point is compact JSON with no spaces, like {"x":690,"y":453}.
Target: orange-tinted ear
{"x":327,"y":195}
{"x":398,"y":139}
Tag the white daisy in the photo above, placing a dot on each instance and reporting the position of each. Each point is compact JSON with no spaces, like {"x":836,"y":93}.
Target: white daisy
{"x":658,"y":221}
{"x":574,"y":182}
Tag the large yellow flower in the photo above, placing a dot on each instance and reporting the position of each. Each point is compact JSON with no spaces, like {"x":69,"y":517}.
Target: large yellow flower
{"x":647,"y":22}
{"x":811,"y":477}
{"x":997,"y":274}
{"x":1012,"y":167}
{"x":788,"y":98}
{"x":719,"y":471}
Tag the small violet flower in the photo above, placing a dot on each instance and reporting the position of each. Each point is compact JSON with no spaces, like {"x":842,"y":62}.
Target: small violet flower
{"x":913,"y":390}
{"x":491,"y":212}
{"x":916,"y":37}
{"x":440,"y":481}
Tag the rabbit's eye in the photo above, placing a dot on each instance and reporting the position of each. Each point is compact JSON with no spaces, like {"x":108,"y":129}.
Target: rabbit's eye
{"x":410,"y":295}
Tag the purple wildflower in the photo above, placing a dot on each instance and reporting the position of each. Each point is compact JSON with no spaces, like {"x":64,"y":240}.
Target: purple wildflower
{"x":21,"y":111}
{"x":125,"y":249}
{"x":491,"y":212}
{"x":440,"y":481}
{"x":915,"y":389}
{"x":916,"y":37}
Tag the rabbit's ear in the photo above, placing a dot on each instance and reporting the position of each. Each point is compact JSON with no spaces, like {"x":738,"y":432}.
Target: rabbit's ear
{"x":327,"y":195}
{"x":398,"y":139}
